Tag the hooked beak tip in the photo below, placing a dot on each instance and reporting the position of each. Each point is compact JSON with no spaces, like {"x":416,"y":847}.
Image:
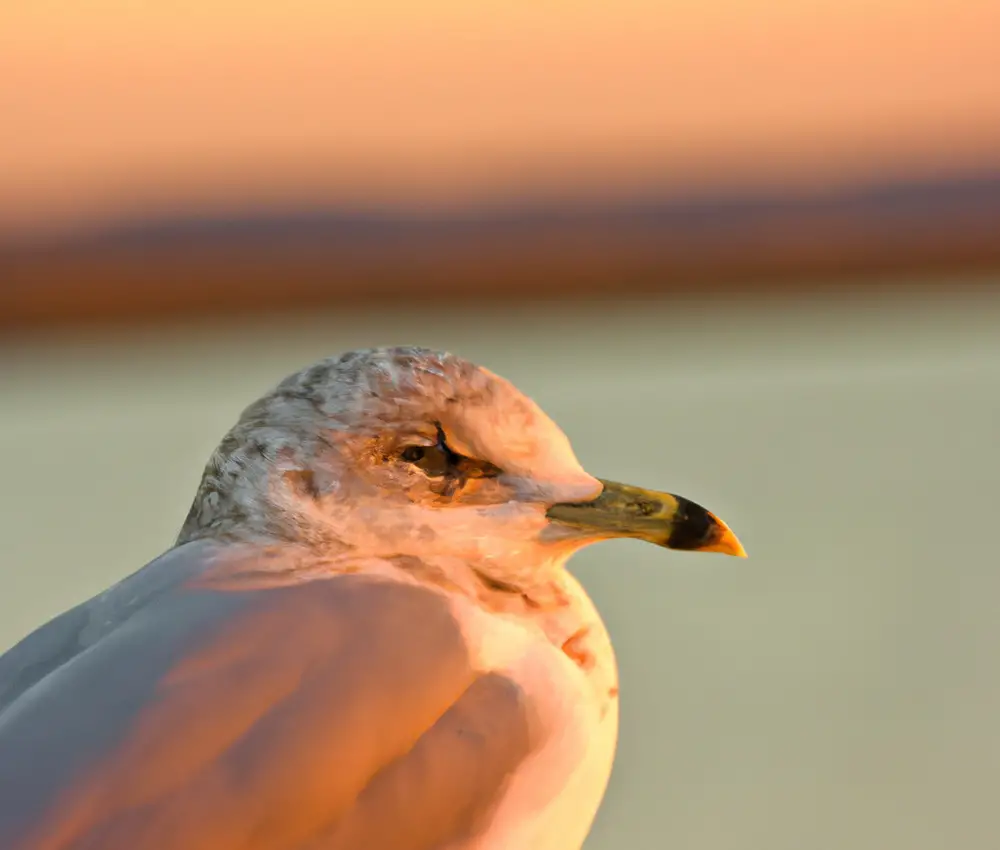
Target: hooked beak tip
{"x":725,"y":541}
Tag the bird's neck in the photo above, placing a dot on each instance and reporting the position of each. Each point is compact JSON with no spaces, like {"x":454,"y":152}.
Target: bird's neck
{"x":551,"y":601}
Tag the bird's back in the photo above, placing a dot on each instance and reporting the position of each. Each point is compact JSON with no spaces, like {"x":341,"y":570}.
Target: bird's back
{"x":353,"y":711}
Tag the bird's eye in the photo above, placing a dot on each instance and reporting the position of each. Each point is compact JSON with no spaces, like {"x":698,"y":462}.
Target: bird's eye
{"x":413,"y":454}
{"x":433,"y":460}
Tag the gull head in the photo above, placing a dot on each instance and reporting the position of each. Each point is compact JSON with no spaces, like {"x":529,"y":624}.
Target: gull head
{"x":413,"y":452}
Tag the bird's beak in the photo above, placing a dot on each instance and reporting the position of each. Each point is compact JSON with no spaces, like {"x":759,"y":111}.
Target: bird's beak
{"x":621,"y":510}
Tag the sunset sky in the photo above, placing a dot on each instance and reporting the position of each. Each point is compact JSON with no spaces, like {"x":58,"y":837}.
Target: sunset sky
{"x":113,"y":107}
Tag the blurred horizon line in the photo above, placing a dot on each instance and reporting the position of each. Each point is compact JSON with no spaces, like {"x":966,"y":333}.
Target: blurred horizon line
{"x":655,"y":241}
{"x":684,"y":204}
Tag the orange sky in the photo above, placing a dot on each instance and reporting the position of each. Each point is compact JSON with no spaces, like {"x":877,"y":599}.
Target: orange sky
{"x":117,"y":105}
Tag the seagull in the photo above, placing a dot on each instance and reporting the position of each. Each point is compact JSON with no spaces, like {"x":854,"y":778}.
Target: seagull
{"x":364,"y":638}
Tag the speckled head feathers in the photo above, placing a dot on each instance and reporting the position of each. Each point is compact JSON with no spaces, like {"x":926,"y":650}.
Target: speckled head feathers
{"x":323,"y":449}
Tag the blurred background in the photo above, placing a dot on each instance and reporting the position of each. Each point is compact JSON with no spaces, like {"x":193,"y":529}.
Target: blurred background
{"x":744,"y":252}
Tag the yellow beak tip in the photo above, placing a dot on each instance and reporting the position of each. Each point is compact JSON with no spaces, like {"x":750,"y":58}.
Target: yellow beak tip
{"x":726,"y":543}
{"x":727,"y":547}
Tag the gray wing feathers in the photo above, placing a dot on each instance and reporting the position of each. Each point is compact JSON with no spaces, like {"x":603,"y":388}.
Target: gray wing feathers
{"x":66,"y":636}
{"x":69,"y":719}
{"x":447,"y":784}
{"x":41,"y":652}
{"x":263,"y":720}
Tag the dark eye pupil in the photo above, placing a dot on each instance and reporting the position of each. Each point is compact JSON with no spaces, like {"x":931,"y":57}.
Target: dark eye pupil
{"x":413,"y":454}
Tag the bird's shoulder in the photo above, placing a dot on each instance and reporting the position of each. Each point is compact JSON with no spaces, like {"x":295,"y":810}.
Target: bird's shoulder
{"x":70,"y":633}
{"x":335,"y":698}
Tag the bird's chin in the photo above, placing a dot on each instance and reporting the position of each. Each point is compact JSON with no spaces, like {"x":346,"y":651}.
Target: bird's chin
{"x":567,"y":539}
